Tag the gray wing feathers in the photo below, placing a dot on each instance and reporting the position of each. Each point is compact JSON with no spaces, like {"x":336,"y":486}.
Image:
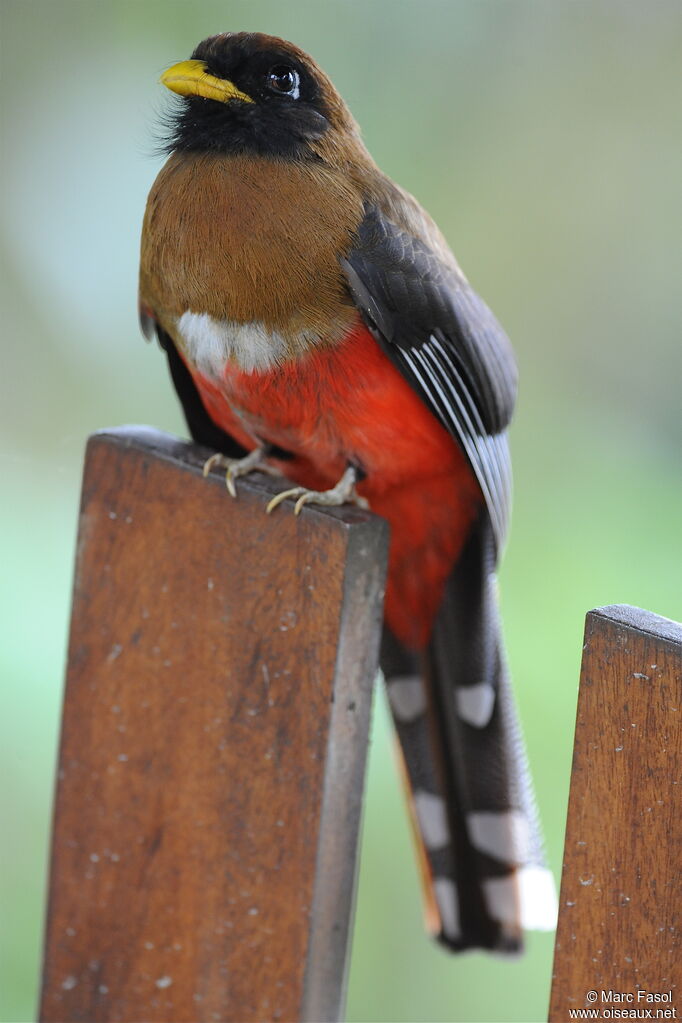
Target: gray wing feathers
{"x":445,"y":341}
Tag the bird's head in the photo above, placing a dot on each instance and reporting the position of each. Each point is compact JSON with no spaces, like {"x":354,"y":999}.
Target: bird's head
{"x":254,"y":93}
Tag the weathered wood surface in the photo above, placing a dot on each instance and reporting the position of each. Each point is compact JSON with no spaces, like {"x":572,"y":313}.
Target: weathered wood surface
{"x":621,"y":892}
{"x":213,"y":747}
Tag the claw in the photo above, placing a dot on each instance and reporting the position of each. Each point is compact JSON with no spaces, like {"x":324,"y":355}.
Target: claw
{"x":279,"y":498}
{"x":237,"y":467}
{"x":215,"y":459}
{"x":303,"y":499}
{"x":343,"y":493}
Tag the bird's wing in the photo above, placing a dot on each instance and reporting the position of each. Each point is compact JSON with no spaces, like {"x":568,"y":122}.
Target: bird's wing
{"x":444,"y":340}
{"x":464,"y":762}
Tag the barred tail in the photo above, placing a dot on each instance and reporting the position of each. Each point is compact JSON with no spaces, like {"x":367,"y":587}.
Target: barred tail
{"x":469,"y":789}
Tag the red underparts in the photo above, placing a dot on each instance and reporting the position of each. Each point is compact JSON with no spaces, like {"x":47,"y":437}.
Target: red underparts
{"x":348,"y":403}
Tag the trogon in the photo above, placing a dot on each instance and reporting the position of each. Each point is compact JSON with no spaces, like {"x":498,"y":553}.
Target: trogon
{"x":316,"y":322}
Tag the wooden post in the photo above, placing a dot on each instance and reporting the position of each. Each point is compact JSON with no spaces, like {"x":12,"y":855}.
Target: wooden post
{"x":213,"y":748}
{"x":618,"y":944}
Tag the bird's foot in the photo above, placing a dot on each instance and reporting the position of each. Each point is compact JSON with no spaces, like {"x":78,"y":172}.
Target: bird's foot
{"x":236,"y":467}
{"x":343,"y":493}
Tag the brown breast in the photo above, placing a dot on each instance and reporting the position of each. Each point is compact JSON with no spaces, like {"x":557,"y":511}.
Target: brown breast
{"x":249,"y":239}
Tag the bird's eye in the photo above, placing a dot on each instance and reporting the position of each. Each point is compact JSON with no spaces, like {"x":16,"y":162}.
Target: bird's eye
{"x":284,"y":80}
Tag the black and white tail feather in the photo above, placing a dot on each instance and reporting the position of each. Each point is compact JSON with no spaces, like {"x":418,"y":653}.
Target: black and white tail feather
{"x":464,"y":761}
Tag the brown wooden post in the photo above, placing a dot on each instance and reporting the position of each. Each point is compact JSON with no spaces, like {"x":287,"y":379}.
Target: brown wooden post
{"x":619,"y":945}
{"x":213,"y":748}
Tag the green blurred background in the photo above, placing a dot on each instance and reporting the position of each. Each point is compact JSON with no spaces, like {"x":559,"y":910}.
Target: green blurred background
{"x":544,"y":137}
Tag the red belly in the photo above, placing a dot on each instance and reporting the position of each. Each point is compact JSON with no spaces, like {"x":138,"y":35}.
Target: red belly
{"x":348,"y":403}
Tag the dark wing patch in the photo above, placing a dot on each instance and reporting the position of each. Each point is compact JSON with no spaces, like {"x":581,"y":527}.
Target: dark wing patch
{"x":445,"y":341}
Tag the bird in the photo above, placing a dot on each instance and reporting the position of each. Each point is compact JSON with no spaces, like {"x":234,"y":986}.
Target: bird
{"x":317,"y":324}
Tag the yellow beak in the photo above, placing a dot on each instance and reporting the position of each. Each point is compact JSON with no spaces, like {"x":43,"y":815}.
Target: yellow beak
{"x":190,"y":78}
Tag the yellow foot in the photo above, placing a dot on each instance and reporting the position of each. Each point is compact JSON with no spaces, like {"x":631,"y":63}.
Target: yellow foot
{"x":343,"y":493}
{"x":236,"y":467}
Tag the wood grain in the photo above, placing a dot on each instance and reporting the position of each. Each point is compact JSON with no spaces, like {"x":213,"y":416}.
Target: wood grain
{"x":621,"y":891}
{"x":213,"y":748}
